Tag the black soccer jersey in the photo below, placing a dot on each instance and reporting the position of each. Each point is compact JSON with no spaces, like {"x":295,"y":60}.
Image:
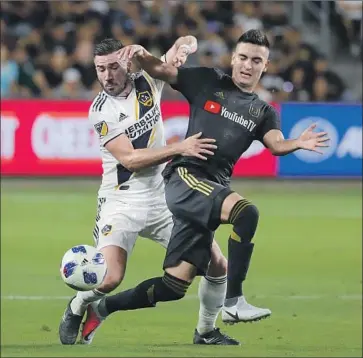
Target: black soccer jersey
{"x":220,"y":110}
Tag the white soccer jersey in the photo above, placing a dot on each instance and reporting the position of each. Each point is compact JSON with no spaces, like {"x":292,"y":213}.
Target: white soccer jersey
{"x":139,"y":117}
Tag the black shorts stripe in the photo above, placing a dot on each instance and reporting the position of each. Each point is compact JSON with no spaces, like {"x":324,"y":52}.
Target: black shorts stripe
{"x":194,"y":183}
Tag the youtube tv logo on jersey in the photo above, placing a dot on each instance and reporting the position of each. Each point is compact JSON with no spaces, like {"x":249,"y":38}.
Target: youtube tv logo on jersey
{"x":212,"y":107}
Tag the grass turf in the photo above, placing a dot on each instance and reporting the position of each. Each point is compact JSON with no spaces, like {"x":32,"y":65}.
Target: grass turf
{"x":306,"y":268}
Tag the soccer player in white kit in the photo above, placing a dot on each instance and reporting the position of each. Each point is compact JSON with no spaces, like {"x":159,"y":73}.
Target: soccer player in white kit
{"x":126,"y":115}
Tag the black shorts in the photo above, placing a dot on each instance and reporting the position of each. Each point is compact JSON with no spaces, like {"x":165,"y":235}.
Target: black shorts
{"x":196,"y":204}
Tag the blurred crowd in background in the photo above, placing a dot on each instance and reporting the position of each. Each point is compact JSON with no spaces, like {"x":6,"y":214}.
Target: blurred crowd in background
{"x":47,"y":47}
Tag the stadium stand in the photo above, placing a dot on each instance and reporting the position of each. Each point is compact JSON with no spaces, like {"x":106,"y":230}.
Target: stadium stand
{"x":46,"y":46}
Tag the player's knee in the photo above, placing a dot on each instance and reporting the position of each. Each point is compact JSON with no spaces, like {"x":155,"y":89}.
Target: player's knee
{"x":111,"y":282}
{"x":171,"y":289}
{"x":244,"y":218}
{"x":251,"y":211}
{"x":218,"y":265}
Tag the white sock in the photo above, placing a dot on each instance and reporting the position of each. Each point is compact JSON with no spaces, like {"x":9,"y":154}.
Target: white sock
{"x":83,"y":299}
{"x":211,"y":292}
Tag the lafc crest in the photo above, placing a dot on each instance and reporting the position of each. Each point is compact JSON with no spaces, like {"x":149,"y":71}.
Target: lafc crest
{"x":254,"y":111}
{"x":101,"y":128}
{"x":145,"y":98}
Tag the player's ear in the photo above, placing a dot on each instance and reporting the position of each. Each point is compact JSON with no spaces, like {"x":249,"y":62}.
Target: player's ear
{"x":266,"y":66}
{"x":133,"y":66}
{"x":233,"y":58}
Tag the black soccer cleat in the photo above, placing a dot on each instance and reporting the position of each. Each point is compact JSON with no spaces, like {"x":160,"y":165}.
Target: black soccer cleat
{"x":215,"y":337}
{"x":69,"y":326}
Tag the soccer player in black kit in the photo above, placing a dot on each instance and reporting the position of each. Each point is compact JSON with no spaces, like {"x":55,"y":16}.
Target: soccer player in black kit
{"x":197,"y":191}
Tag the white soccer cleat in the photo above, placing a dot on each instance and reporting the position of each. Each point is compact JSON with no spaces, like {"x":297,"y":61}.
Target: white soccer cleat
{"x":92,"y":322}
{"x":243,"y":312}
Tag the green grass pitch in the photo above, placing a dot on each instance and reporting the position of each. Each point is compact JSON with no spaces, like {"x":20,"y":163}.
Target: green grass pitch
{"x":306,"y":268}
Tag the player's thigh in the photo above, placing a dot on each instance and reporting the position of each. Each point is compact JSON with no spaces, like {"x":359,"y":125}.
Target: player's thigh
{"x":194,"y":198}
{"x":183,"y":270}
{"x":228,"y":204}
{"x":190,"y":243}
{"x":159,"y":224}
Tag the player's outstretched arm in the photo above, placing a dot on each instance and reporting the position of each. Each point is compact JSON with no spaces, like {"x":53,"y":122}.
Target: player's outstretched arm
{"x":135,"y":159}
{"x":184,"y":46}
{"x":178,"y":54}
{"x":151,"y":64}
{"x":308,"y":140}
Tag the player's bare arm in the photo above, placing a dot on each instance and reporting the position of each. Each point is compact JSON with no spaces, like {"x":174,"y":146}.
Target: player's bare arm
{"x":151,"y":64}
{"x":177,"y":54}
{"x":135,"y":159}
{"x":308,"y":140}
{"x":182,"y":48}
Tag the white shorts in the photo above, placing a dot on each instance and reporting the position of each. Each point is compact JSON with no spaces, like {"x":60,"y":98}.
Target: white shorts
{"x":119,"y":223}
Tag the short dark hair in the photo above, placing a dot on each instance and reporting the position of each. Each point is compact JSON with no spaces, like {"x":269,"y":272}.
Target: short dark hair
{"x":255,"y":37}
{"x":107,"y":46}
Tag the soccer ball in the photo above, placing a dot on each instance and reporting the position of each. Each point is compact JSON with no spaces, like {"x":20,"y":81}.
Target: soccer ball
{"x":83,"y":268}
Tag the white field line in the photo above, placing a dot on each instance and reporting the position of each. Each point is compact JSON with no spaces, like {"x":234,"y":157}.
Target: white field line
{"x":295,"y":297}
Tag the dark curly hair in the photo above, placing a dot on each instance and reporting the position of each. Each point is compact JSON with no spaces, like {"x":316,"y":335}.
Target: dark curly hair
{"x":107,"y":46}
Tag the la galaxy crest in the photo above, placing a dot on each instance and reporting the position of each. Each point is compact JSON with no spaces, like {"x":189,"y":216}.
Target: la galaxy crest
{"x":106,"y":230}
{"x":101,"y":128}
{"x":145,"y":98}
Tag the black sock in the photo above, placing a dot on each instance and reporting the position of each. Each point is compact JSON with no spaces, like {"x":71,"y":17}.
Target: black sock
{"x":239,"y":256}
{"x":244,"y":217}
{"x":146,"y":294}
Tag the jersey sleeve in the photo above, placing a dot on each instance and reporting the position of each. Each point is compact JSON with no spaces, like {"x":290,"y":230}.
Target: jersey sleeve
{"x":271,"y":121}
{"x":106,"y":125}
{"x":191,"y":80}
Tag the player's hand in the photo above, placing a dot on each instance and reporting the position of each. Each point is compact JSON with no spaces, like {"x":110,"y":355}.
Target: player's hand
{"x":181,"y":55}
{"x":194,"y":146}
{"x":129,"y":52}
{"x":310,"y":140}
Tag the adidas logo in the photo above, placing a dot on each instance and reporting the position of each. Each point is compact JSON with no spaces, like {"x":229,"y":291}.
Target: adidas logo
{"x":122,"y":117}
{"x":220,"y":95}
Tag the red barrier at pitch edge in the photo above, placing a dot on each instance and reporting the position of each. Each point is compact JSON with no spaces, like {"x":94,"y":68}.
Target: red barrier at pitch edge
{"x":54,"y":138}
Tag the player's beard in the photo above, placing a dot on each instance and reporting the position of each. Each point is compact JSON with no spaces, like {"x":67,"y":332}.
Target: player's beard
{"x":117,"y":89}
